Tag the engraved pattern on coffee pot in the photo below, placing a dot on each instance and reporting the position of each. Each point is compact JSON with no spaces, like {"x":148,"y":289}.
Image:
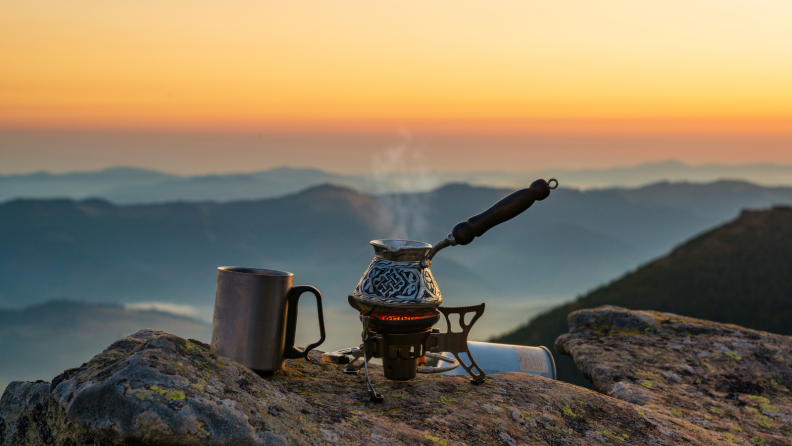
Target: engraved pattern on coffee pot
{"x":405,"y":283}
{"x":396,"y":279}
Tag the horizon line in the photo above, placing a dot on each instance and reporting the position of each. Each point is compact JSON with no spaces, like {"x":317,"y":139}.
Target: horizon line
{"x":362,"y":173}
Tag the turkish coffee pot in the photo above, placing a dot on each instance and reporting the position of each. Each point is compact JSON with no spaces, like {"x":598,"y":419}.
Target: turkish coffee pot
{"x":398,"y":300}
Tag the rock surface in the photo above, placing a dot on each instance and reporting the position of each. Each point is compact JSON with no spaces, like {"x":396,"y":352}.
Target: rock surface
{"x":731,"y":381}
{"x":156,"y":388}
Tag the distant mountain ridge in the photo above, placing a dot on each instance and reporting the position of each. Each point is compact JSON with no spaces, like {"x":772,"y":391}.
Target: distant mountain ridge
{"x":126,"y":185}
{"x":739,"y":273}
{"x":674,"y":171}
{"x":571,"y":242}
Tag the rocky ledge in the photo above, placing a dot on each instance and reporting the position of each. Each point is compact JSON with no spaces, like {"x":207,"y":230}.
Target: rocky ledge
{"x":731,"y":381}
{"x":156,"y":388}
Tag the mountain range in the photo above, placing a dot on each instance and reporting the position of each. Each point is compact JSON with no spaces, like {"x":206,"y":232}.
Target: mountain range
{"x":739,"y":273}
{"x":125,"y":185}
{"x":93,"y":250}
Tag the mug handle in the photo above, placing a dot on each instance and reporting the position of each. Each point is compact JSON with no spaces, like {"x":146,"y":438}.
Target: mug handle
{"x":290,"y":351}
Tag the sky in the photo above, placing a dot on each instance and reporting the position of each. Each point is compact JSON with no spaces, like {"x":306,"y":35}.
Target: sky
{"x":203,"y":86}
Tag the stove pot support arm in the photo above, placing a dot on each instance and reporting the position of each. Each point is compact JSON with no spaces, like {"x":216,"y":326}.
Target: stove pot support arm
{"x":504,"y":210}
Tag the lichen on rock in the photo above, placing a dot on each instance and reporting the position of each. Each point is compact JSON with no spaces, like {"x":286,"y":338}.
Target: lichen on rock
{"x":727,"y":379}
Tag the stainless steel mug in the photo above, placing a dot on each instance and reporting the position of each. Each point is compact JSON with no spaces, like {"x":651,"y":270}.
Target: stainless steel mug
{"x":255,"y":317}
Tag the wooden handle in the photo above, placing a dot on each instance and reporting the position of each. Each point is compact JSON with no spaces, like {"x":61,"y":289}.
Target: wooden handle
{"x":504,"y":210}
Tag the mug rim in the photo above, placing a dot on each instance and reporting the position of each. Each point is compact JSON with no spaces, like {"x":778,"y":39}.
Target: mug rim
{"x":254,"y":271}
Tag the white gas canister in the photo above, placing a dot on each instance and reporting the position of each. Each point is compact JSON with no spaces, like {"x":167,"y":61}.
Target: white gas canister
{"x":499,"y":358}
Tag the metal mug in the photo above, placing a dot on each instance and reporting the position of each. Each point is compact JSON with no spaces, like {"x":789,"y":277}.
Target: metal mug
{"x":255,"y":317}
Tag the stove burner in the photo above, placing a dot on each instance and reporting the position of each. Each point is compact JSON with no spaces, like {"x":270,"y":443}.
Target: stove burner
{"x":401,"y":322}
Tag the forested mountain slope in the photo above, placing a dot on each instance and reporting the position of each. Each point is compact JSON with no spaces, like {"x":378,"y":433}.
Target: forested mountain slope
{"x":739,"y":273}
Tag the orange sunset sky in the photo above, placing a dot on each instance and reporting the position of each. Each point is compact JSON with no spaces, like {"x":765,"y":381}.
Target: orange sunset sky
{"x":207,"y":86}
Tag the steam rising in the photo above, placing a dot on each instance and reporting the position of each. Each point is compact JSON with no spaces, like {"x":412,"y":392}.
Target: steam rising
{"x":395,"y":172}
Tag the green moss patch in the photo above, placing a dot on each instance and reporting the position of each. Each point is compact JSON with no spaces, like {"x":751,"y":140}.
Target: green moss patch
{"x":776,"y":385}
{"x":435,"y":440}
{"x":569,"y":412}
{"x":763,"y":421}
{"x":157,"y":390}
{"x":612,"y":436}
{"x":171,"y":395}
{"x":768,"y":407}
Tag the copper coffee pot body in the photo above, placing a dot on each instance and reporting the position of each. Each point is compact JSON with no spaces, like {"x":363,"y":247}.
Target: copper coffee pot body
{"x":395,"y":279}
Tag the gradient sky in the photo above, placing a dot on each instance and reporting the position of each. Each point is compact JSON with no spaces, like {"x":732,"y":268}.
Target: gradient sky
{"x":601,"y":83}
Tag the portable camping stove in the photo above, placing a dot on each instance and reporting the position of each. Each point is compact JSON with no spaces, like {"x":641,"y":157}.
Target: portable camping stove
{"x":404,"y":340}
{"x":399,"y":301}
